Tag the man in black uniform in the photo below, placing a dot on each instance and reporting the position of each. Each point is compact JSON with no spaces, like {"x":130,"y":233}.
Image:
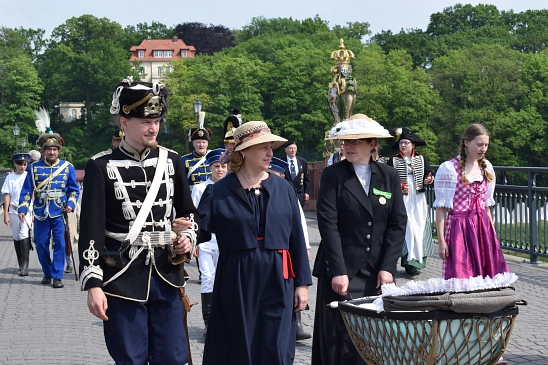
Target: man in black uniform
{"x":129,"y":256}
{"x":297,"y":172}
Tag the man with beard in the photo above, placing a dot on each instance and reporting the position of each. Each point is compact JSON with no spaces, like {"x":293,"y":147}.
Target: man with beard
{"x":56,"y":191}
{"x":130,"y":259}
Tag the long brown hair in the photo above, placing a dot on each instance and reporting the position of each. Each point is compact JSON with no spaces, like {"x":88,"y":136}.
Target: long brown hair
{"x":469,"y":134}
{"x":236,"y":161}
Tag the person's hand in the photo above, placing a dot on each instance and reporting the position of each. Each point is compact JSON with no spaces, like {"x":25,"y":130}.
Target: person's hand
{"x":180,"y":224}
{"x":443,"y":249}
{"x":182,"y":244}
{"x":97,"y":303}
{"x":197,"y":251}
{"x":339,"y":284}
{"x":68,"y":209}
{"x":21,"y":217}
{"x":7,"y":219}
{"x":384,"y":277}
{"x":429,"y":179}
{"x":306,"y":197}
{"x":300,"y":298}
{"x":405,"y":189}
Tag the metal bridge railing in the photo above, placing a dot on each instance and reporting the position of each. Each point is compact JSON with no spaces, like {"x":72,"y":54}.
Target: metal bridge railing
{"x":520,"y":212}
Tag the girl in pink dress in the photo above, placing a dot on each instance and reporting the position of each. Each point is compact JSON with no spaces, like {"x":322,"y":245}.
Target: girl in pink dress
{"x":465,"y":185}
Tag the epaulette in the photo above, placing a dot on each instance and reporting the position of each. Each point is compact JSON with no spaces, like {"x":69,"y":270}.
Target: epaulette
{"x":102,"y":153}
{"x":167,"y":149}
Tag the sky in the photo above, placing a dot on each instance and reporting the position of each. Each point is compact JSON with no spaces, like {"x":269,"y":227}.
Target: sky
{"x":391,"y":15}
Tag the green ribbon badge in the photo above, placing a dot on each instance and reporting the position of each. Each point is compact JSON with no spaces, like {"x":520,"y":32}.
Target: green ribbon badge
{"x":386,"y":194}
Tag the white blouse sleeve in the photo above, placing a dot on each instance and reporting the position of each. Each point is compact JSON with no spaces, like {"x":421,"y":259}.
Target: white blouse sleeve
{"x":489,"y":198}
{"x":445,"y":184}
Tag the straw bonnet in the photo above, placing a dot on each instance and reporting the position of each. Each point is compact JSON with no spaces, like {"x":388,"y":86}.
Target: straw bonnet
{"x":358,"y":126}
{"x":404,"y":133}
{"x":255,"y":132}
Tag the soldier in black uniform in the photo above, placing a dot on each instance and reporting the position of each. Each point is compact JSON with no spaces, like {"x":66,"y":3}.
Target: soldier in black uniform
{"x":132,"y":275}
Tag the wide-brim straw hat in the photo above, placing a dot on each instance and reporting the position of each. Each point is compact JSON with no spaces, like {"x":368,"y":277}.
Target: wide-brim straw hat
{"x":255,"y":132}
{"x":358,"y":126}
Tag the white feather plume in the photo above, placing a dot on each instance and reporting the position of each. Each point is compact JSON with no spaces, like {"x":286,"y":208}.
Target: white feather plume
{"x":42,"y":120}
{"x":201,"y":119}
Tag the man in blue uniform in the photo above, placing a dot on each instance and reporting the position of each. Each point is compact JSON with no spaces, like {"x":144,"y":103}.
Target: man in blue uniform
{"x":195,"y":163}
{"x":56,"y":191}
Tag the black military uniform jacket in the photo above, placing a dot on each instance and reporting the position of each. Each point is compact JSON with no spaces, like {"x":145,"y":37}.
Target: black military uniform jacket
{"x":301,"y":183}
{"x":116,"y":183}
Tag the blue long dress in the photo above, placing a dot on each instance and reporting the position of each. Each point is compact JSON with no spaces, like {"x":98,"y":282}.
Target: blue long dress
{"x":252,"y":319}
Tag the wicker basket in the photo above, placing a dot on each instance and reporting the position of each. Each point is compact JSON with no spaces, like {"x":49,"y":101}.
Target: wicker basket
{"x":427,"y":338}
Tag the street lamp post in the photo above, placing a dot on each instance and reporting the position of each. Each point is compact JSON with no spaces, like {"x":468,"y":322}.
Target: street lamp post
{"x":197,"y":107}
{"x":15,"y":131}
{"x":23,"y":144}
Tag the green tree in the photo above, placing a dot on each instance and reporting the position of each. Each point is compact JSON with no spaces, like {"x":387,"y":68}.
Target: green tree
{"x":135,"y":34}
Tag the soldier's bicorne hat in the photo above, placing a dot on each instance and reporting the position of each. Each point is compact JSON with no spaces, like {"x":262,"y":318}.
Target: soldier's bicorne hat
{"x":199,"y":133}
{"x":214,"y":155}
{"x":278,"y":165}
{"x":232,"y":122}
{"x":118,"y":135}
{"x":20,"y":157}
{"x":404,"y":133}
{"x":139,"y":99}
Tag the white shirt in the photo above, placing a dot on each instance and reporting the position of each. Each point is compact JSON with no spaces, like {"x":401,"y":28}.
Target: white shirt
{"x":196,"y":195}
{"x":294,"y":159}
{"x":12,"y":186}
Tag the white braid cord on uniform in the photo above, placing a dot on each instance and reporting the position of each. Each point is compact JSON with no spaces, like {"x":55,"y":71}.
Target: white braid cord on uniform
{"x":191,"y":233}
{"x":115,"y":108}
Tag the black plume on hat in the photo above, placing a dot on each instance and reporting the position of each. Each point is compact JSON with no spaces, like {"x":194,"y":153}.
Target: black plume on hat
{"x":139,"y":99}
{"x":404,"y":133}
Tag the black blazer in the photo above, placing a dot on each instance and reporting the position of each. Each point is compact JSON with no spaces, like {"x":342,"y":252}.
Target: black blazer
{"x":301,"y":183}
{"x":356,"y":227}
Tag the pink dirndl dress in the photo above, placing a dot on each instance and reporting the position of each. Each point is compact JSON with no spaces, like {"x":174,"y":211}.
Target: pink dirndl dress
{"x":474,"y":249}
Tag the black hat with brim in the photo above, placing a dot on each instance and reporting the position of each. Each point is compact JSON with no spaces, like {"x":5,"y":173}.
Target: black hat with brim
{"x":404,"y":133}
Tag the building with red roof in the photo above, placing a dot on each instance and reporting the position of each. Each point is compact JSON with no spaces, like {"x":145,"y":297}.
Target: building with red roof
{"x":153,"y":56}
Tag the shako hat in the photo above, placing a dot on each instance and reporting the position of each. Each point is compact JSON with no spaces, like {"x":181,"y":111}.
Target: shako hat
{"x":404,"y":133}
{"x":200,"y":132}
{"x":47,"y":137}
{"x":358,"y":126}
{"x":20,"y":157}
{"x":255,"y":132}
{"x":214,"y":155}
{"x":139,"y":99}
{"x":232,"y":122}
{"x":278,"y":165}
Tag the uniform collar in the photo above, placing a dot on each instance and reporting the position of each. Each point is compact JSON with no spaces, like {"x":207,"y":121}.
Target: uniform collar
{"x":131,"y":152}
{"x":53,"y":164}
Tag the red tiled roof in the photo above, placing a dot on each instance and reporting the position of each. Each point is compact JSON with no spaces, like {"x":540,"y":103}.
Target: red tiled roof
{"x":151,"y":45}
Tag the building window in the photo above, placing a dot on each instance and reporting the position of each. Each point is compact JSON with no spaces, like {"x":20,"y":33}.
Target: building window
{"x":141,"y":54}
{"x":184,"y":53}
{"x":168,"y":54}
{"x":158,"y":54}
{"x":142,"y":71}
{"x":159,"y":71}
{"x":73,"y":114}
{"x":168,"y":69}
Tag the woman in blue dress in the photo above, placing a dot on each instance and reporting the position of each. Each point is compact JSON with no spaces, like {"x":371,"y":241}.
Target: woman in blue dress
{"x":263,"y":273}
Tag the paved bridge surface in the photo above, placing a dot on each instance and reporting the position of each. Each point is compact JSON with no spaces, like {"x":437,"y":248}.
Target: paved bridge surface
{"x":40,"y":325}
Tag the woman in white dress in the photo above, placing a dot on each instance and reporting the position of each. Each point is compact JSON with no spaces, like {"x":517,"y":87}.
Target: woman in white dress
{"x":415,"y":173}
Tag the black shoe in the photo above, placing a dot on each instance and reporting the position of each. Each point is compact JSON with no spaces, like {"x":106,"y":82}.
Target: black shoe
{"x":300,"y":333}
{"x":412,"y":271}
{"x":57,"y":283}
{"x":46,"y":280}
{"x":68,"y":269}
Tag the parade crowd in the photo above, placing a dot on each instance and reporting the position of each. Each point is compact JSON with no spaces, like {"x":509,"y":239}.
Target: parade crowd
{"x":144,"y":211}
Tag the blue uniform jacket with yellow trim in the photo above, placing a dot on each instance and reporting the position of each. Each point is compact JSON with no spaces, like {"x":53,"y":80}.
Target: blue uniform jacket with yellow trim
{"x":201,"y":173}
{"x":49,"y":193}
